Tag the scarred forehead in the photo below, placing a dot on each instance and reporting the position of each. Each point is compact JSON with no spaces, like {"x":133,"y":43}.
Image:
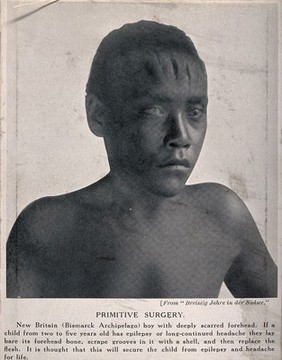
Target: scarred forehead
{"x":139,"y":55}
{"x":135,"y":74}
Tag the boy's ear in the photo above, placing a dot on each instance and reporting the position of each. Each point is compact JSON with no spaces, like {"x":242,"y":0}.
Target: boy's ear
{"x":96,"y":115}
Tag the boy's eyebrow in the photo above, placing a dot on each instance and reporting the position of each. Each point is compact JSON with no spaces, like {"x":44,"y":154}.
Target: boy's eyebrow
{"x":150,"y":98}
{"x":198,"y":99}
{"x":155,"y":97}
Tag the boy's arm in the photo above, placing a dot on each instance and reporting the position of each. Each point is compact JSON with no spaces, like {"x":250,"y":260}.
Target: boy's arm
{"x":253,"y":273}
{"x":33,"y":249}
{"x":23,"y":261}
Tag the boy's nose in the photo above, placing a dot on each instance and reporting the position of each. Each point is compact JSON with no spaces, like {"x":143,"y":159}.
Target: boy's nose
{"x":178,"y":135}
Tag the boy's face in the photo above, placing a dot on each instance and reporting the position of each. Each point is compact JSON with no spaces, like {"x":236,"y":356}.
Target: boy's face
{"x":158,"y":121}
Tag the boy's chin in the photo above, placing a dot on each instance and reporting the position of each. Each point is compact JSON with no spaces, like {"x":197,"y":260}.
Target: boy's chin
{"x":167,"y":189}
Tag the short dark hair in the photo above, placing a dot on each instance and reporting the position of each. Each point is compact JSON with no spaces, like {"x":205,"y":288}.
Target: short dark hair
{"x":142,"y":35}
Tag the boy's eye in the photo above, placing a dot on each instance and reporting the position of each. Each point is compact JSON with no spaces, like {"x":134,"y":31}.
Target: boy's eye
{"x":153,"y":110}
{"x":195,"y":112}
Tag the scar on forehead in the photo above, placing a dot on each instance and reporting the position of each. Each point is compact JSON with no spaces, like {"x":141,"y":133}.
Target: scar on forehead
{"x":152,"y":68}
{"x":160,"y":64}
{"x":175,"y":67}
{"x":188,"y":71}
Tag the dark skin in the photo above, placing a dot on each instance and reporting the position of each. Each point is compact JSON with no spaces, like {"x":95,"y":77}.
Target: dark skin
{"x":140,"y":232}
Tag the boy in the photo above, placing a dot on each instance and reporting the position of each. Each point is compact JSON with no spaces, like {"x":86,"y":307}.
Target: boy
{"x":140,"y":232}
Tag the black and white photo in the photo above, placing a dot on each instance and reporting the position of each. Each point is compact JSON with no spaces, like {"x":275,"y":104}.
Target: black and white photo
{"x":137,"y":228}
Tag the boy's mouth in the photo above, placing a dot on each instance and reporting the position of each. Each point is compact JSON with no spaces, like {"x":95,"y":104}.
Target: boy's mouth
{"x":176,"y":163}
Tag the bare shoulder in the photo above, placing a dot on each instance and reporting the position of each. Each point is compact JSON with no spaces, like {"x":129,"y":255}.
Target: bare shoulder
{"x":46,"y":216}
{"x":228,"y":210}
{"x":253,"y":272}
{"x":56,"y":215}
{"x":220,"y":202}
{"x":43,"y":231}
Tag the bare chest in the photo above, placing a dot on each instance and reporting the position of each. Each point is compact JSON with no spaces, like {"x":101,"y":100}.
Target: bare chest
{"x":187,"y":258}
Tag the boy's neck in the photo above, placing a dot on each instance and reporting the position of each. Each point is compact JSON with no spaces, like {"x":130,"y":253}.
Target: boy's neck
{"x":135,"y":197}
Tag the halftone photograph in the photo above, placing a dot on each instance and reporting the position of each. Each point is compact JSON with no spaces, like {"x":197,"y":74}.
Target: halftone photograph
{"x":140,"y":151}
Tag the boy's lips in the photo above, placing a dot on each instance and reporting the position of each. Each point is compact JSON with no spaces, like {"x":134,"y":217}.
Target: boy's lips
{"x":177,"y":163}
